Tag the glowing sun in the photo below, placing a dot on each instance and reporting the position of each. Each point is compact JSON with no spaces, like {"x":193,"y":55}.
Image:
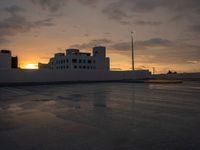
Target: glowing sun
{"x":31,"y":66}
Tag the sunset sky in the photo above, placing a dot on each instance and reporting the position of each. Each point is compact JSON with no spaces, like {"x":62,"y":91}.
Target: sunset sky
{"x":167,"y":32}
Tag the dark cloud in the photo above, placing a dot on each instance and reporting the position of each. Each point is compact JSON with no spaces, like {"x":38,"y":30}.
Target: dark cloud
{"x":88,"y":2}
{"x":17,"y":23}
{"x":114,"y":11}
{"x":56,"y":5}
{"x":121,"y":46}
{"x":41,"y":23}
{"x":123,"y":10}
{"x":178,"y":6}
{"x":51,"y":5}
{"x":162,"y":51}
{"x":12,"y":25}
{"x":92,"y":43}
{"x":178,"y":55}
{"x":195,"y":28}
{"x":155,"y":42}
{"x":14,"y":10}
{"x":152,"y":23}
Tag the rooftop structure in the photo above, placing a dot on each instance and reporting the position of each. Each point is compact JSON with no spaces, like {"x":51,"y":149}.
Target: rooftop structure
{"x":7,"y":61}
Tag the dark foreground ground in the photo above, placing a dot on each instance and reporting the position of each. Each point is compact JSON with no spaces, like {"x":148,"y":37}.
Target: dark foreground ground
{"x":103,"y":116}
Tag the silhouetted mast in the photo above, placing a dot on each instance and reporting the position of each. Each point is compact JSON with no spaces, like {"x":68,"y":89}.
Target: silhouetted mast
{"x":133,"y":67}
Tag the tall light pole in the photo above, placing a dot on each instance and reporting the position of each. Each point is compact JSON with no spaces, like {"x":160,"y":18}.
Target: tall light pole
{"x":132,"y":46}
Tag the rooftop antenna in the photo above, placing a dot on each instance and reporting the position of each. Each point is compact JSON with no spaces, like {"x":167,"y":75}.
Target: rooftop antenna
{"x":132,"y":46}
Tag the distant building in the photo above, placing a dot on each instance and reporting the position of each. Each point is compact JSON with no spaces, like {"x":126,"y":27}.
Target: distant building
{"x":7,"y":61}
{"x":76,"y":60}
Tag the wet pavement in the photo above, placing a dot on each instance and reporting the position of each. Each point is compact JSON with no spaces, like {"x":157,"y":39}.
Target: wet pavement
{"x":103,"y":116}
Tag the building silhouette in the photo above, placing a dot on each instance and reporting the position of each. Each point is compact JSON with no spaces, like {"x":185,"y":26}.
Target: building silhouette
{"x":7,"y":61}
{"x":76,"y":60}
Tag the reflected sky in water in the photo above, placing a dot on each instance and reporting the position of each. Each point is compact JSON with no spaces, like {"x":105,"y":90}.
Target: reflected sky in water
{"x":108,"y":116}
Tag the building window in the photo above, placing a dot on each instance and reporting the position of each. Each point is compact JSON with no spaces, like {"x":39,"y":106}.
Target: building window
{"x":84,"y":61}
{"x":74,"y":60}
{"x":94,"y":61}
{"x":80,"y":67}
{"x":80,"y":60}
{"x":88,"y":67}
{"x":67,"y":60}
{"x":83,"y":67}
{"x":89,"y":61}
{"x":75,"y":67}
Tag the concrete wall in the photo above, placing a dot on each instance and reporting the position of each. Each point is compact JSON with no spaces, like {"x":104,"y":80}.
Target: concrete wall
{"x":37,"y":76}
{"x":178,"y":76}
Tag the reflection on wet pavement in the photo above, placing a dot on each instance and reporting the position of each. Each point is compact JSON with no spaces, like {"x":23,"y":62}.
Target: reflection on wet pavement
{"x":105,"y":116}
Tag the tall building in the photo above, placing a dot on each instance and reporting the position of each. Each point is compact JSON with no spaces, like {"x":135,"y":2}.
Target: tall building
{"x":76,"y":60}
